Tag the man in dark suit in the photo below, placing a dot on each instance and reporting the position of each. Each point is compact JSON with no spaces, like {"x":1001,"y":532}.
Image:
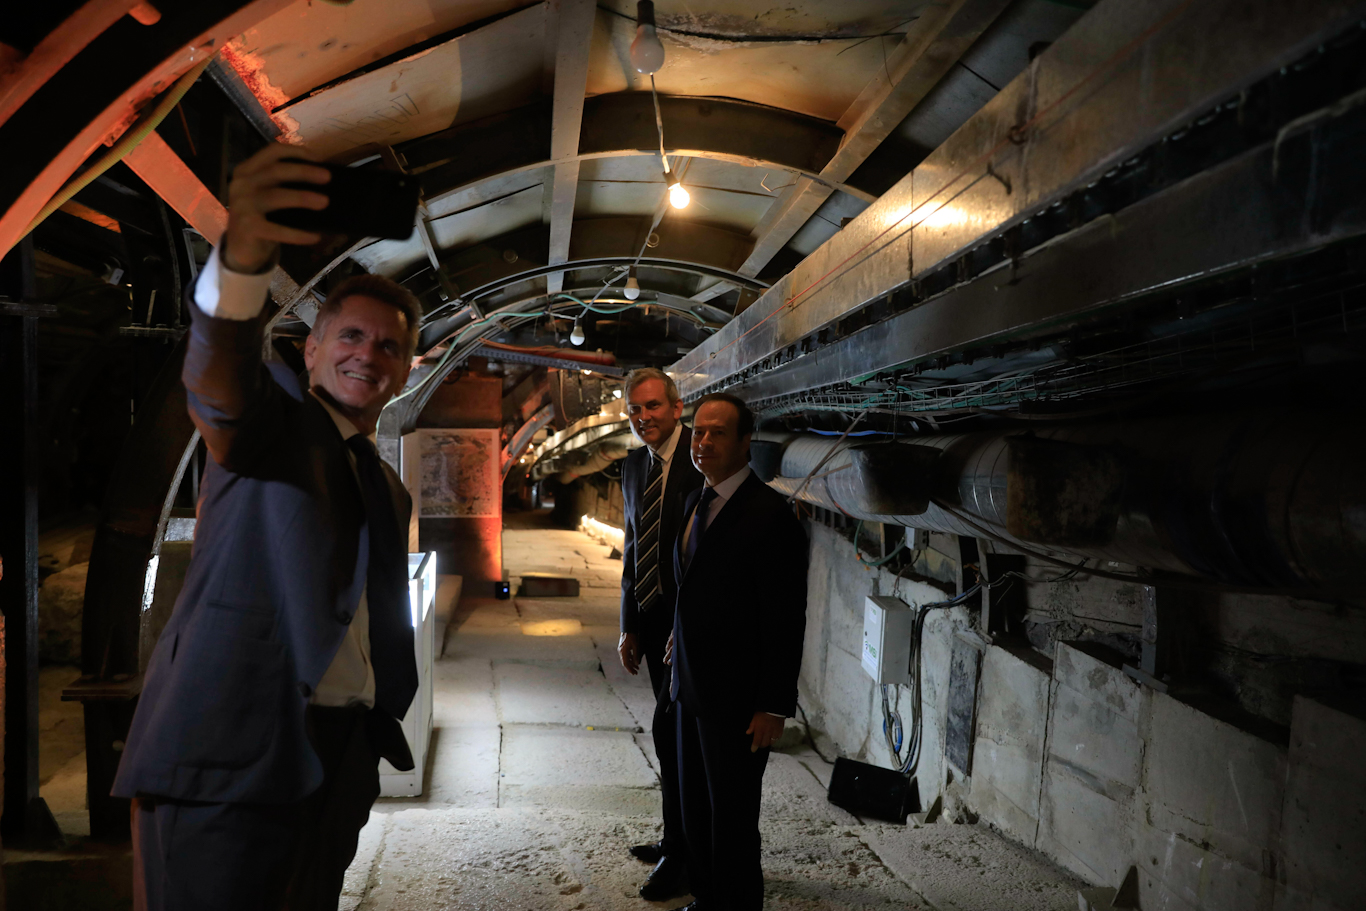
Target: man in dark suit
{"x":653,"y":482}
{"x":279,"y":680}
{"x":736,"y":651}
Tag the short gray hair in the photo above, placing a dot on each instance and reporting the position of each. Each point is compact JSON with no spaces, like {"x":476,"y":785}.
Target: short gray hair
{"x":641,"y":374}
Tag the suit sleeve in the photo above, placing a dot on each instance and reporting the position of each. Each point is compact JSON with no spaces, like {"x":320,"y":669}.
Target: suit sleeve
{"x":238,"y":408}
{"x":630,"y":612}
{"x":784,"y":568}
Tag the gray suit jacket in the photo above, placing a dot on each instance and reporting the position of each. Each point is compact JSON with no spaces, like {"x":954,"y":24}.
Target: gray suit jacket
{"x":272,"y":585}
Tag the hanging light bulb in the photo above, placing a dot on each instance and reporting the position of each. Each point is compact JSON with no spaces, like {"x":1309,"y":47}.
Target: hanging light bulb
{"x":576,"y":336}
{"x":678,"y":196}
{"x":632,"y":285}
{"x":647,"y":53}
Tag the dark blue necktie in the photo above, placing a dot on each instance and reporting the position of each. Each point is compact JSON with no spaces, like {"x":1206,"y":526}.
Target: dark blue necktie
{"x":386,"y":585}
{"x":699,"y":523}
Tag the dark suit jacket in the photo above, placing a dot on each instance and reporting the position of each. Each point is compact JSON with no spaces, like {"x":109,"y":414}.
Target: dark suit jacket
{"x":683,"y":478}
{"x":272,"y":585}
{"x":741,"y":616}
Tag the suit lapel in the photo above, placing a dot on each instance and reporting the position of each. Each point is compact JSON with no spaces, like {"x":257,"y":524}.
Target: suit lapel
{"x":689,"y":504}
{"x":729,"y":515}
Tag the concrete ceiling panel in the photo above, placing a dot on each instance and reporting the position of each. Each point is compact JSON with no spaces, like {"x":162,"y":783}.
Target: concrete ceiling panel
{"x":634,"y":185}
{"x":502,"y":216}
{"x":476,"y":75}
{"x":737,"y":51}
{"x":309,"y":44}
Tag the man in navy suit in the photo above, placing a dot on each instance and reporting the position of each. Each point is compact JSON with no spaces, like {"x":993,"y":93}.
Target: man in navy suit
{"x":653,"y":481}
{"x":279,"y":680}
{"x":741,"y":564}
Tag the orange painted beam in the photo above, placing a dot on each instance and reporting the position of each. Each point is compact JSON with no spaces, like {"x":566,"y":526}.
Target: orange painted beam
{"x":119,"y":115}
{"x":171,"y":179}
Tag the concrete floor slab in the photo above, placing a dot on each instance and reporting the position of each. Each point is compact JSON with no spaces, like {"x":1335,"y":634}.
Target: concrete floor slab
{"x":526,"y":809}
{"x":569,"y":758}
{"x":573,"y":696}
{"x":462,"y":693}
{"x":971,"y":868}
{"x":508,"y":647}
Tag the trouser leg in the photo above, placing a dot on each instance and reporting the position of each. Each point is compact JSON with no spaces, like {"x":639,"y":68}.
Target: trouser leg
{"x":695,"y":804}
{"x":663,"y":731}
{"x":333,"y":816}
{"x":734,"y":782}
{"x":192,"y":856}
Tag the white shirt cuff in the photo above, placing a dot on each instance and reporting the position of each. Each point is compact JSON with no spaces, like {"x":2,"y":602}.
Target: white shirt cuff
{"x":226,"y":294}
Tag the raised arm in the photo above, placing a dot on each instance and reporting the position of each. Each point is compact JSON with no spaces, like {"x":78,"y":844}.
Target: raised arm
{"x":230,"y":394}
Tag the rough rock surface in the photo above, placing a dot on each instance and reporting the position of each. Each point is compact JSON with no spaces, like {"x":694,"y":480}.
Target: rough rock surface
{"x":60,"y":601}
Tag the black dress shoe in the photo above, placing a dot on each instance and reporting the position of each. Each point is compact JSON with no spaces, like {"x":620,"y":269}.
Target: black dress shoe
{"x":669,"y":879}
{"x":651,"y":854}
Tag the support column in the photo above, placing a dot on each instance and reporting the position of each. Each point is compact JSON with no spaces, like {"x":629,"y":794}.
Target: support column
{"x":27,"y":820}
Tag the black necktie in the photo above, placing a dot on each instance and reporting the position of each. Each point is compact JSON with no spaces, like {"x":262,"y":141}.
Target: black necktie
{"x":699,"y":523}
{"x":386,"y":585}
{"x":647,"y":541}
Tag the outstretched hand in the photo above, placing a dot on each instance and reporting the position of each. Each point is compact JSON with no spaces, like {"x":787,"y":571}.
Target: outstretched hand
{"x":255,"y":191}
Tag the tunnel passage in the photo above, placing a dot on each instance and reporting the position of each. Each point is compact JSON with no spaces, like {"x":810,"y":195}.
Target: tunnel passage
{"x":1050,"y":316}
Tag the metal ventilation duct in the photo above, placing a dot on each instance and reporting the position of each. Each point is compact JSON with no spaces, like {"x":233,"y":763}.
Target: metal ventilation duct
{"x":1229,"y":498}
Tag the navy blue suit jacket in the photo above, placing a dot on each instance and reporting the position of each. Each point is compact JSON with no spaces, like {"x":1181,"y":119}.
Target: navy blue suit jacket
{"x":272,"y":585}
{"x":683,"y":477}
{"x":740,"y":622}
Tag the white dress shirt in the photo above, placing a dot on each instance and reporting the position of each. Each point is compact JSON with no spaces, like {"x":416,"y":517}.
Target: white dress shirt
{"x":225,"y":294}
{"x":665,"y":454}
{"x":724,"y":491}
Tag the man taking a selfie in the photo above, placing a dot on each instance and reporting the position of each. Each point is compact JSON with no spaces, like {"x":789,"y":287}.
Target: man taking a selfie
{"x":280,"y":679}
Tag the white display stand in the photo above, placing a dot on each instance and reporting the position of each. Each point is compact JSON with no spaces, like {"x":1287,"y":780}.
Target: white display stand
{"x":417,"y":724}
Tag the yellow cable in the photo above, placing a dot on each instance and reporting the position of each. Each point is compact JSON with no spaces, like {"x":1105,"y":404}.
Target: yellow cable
{"x":125,"y":144}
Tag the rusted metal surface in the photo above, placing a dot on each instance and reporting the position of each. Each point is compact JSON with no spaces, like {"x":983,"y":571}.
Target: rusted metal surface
{"x":99,"y":93}
{"x":1063,"y":493}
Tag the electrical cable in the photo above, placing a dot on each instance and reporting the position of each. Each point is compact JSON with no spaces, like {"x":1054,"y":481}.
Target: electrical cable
{"x":130,"y":140}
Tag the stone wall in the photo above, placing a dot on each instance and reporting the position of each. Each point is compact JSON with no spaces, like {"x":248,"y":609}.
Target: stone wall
{"x":1228,"y":792}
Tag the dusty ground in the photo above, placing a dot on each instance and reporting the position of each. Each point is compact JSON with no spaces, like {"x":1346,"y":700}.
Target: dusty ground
{"x":542,"y":772}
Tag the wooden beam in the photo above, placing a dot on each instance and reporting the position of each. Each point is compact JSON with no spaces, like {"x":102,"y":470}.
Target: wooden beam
{"x":170,"y":178}
{"x":917,"y":65}
{"x":574,"y":39}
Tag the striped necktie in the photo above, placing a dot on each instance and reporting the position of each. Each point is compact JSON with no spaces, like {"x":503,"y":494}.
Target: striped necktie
{"x":647,"y":537}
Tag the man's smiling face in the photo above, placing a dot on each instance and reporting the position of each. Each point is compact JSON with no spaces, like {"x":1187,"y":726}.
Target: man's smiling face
{"x":361,"y":360}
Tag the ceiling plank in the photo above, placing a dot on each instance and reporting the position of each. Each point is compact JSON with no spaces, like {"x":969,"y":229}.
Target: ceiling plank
{"x":916,"y":67}
{"x":574,"y":41}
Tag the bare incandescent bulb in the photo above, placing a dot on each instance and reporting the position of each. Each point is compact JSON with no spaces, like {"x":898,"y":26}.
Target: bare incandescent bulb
{"x":678,"y":197}
{"x":576,"y":336}
{"x":647,"y":53}
{"x":632,"y":290}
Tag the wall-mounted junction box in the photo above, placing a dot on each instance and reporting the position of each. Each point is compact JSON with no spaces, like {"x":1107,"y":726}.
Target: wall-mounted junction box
{"x":888,"y":624}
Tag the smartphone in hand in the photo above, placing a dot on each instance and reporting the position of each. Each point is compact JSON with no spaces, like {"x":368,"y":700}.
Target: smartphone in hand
{"x":361,"y":203}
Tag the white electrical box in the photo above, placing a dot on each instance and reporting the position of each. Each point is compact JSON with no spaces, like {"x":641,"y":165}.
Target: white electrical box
{"x":888,"y":624}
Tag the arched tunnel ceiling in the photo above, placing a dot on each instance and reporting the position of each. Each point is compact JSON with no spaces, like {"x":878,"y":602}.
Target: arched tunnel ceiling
{"x":527,"y":121}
